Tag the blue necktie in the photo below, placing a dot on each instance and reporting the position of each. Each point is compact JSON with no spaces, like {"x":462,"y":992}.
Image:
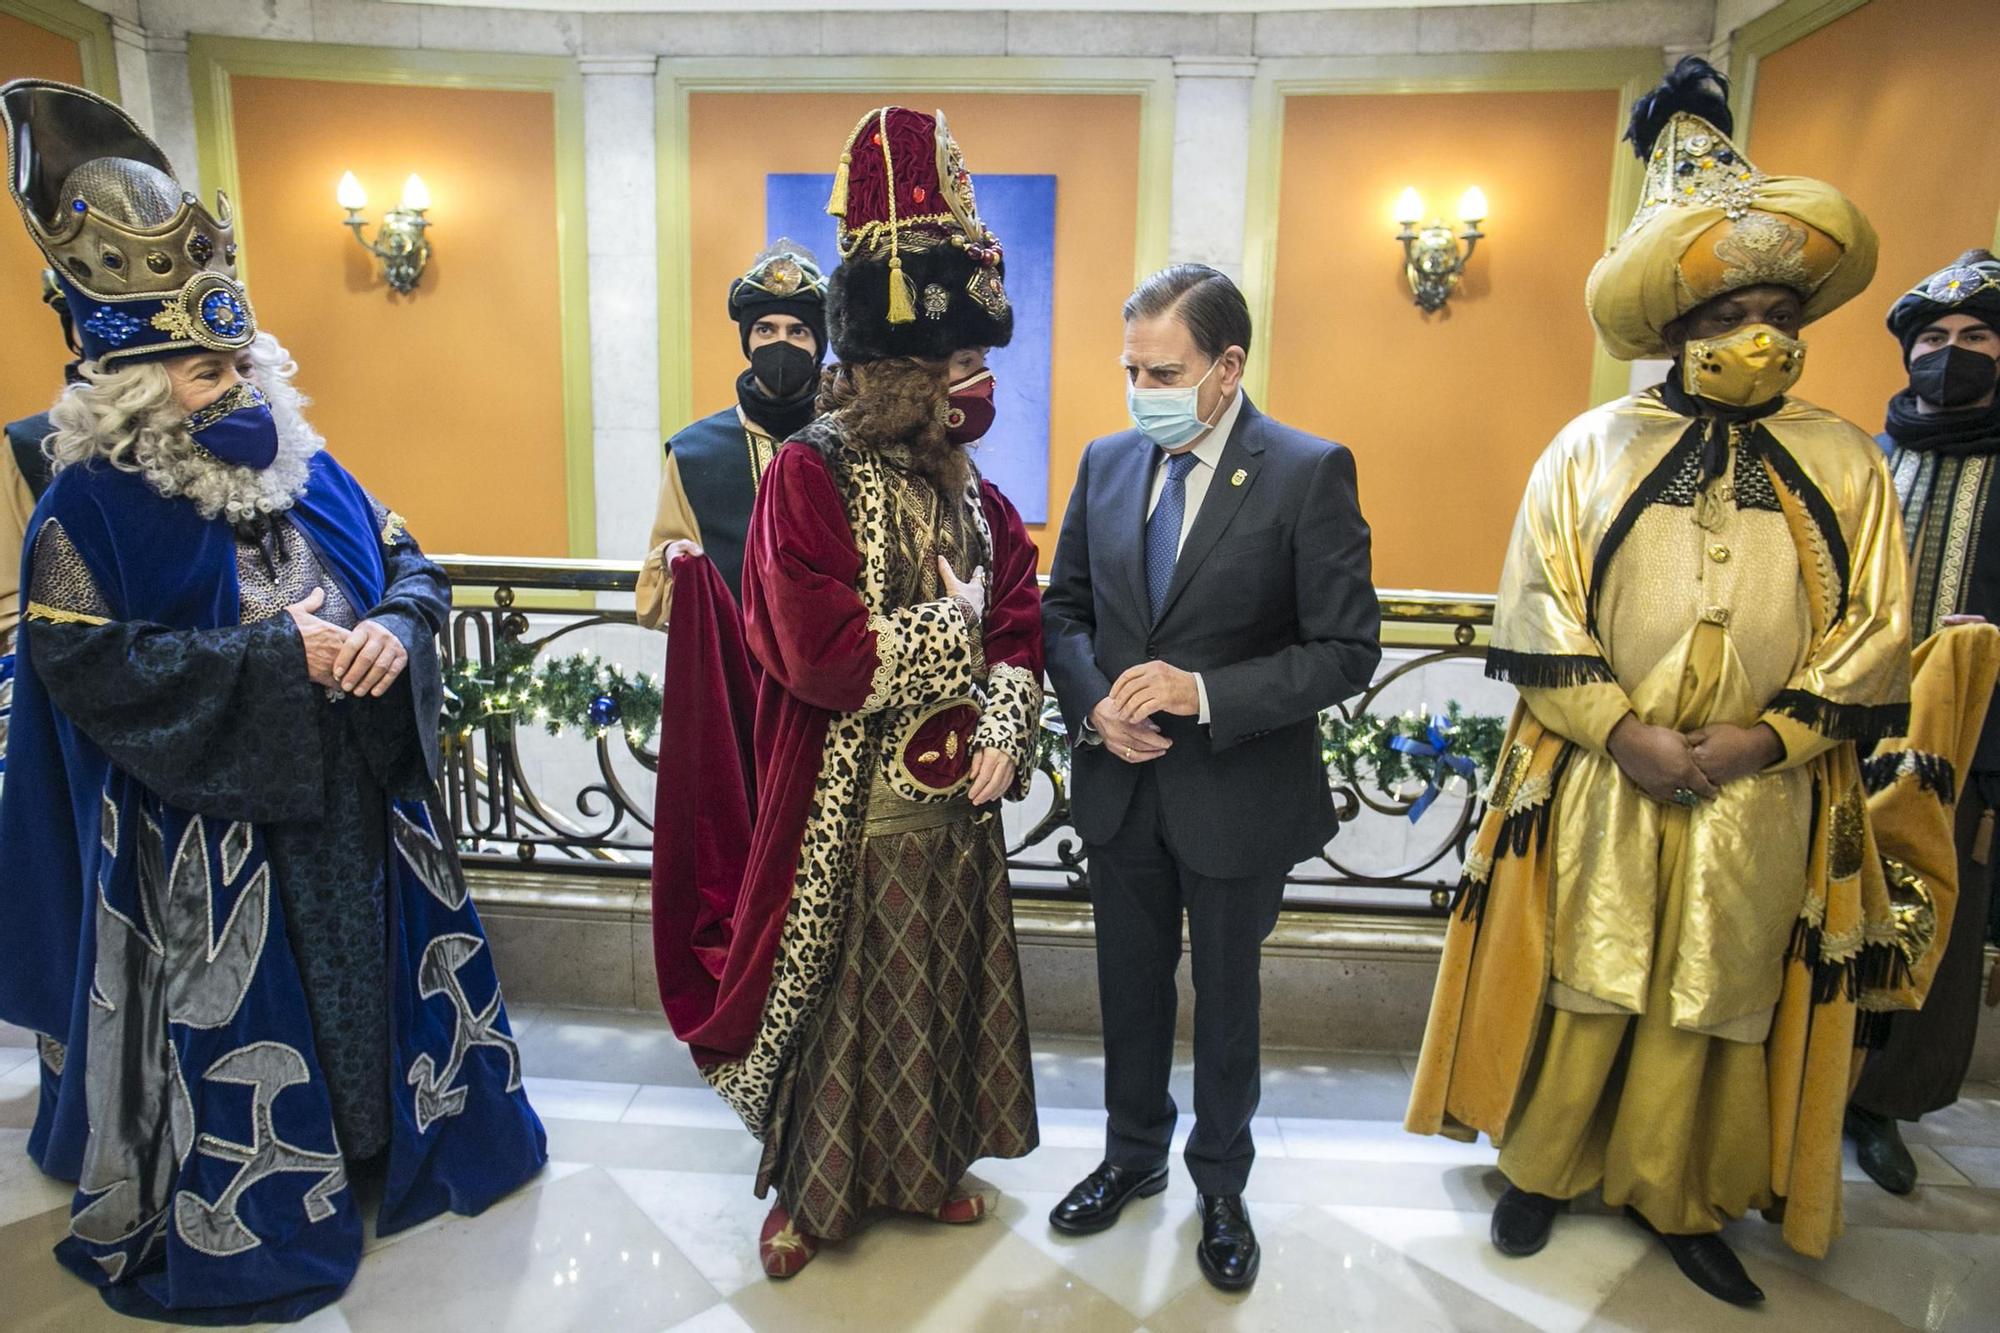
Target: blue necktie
{"x":1163,"y":531}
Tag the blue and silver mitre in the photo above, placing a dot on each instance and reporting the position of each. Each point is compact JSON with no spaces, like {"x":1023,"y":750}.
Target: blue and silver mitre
{"x":147,"y":270}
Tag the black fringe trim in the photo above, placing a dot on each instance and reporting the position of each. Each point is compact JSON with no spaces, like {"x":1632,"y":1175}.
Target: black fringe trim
{"x":1878,"y":967}
{"x":1863,"y":724}
{"x":1933,"y":772}
{"x":1546,"y":671}
{"x":1518,"y":832}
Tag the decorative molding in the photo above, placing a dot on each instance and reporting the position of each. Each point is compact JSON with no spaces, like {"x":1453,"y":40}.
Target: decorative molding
{"x":1631,"y":72}
{"x":89,"y":29}
{"x":1151,"y":80}
{"x":214,"y":61}
{"x":1766,"y":35}
{"x":582,"y":895}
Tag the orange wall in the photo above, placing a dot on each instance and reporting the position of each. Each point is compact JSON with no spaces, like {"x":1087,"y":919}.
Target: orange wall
{"x":735,"y":140}
{"x":1445,"y":413}
{"x":31,"y":371}
{"x":446,"y":403}
{"x":1877,"y":103}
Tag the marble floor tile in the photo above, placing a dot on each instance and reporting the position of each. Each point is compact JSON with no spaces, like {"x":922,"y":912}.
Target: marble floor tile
{"x":715,"y":1319}
{"x":645,"y":1220}
{"x":652,"y":1147}
{"x":1934,"y":1166}
{"x":1378,"y":1140}
{"x":1973,"y":1120}
{"x":597,"y":1046}
{"x":1655,"y":1295}
{"x":1146,"y":1261}
{"x":1980,"y":1165}
{"x":712,"y":1219}
{"x":903,"y":1273}
{"x":1555,"y":1291}
{"x":24,"y":1191}
{"x":1306,"y":1283}
{"x":575,"y":1254}
{"x":688,"y":1108}
{"x":41,"y":1296}
{"x":1908,"y":1275}
{"x":20,"y":1094}
{"x":576,"y":1099}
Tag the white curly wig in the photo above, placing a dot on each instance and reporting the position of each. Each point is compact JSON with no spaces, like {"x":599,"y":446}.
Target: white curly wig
{"x":127,"y":417}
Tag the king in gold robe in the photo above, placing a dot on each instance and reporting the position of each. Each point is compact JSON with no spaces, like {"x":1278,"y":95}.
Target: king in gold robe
{"x":1657,"y":993}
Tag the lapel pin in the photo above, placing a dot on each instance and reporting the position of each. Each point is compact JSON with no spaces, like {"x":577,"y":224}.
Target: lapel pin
{"x":1239,"y":478}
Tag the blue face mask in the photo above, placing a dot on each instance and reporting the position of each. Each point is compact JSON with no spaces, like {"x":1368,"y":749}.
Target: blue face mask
{"x":237,"y":428}
{"x":1168,"y":417}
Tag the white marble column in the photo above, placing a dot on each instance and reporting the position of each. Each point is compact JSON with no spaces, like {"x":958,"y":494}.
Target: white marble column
{"x":618,"y":133}
{"x":135,"y":79}
{"x":1211,"y":160}
{"x":172,"y":99}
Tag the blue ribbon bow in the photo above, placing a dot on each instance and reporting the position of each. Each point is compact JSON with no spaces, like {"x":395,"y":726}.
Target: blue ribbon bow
{"x":1435,"y":746}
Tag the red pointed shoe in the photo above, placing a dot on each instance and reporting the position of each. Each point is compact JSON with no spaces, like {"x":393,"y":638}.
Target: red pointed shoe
{"x":783,"y":1248}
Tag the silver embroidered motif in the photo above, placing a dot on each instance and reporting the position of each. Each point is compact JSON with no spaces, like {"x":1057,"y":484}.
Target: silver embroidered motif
{"x":435,"y":865}
{"x":267,"y":1068}
{"x":437,"y":974}
{"x":211,"y":969}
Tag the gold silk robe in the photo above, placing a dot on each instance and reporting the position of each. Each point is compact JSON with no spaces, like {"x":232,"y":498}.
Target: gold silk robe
{"x":1776,"y":594}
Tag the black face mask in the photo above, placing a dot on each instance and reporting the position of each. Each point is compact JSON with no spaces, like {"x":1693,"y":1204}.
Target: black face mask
{"x":785,"y":369}
{"x":1952,"y":376}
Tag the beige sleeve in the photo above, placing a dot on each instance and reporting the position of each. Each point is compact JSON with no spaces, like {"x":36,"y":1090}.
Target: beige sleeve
{"x":673,"y":522}
{"x":17,"y":503}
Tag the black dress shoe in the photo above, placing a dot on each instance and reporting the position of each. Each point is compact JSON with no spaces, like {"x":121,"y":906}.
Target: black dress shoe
{"x":1228,"y":1251}
{"x":1100,"y":1196}
{"x":1521,"y":1221}
{"x":1878,"y":1143}
{"x":1708,"y":1263}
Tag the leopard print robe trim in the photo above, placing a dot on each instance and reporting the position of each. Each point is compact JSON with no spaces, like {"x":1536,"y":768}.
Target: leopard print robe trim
{"x":926,"y":653}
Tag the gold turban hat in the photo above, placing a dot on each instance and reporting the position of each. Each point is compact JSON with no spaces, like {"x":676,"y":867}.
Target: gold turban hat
{"x":1709,"y":223}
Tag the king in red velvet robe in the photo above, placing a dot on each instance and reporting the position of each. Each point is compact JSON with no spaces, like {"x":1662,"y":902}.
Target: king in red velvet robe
{"x":832,"y":921}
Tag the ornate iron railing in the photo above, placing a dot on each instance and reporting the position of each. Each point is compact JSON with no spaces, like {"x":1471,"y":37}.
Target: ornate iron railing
{"x":584,"y":804}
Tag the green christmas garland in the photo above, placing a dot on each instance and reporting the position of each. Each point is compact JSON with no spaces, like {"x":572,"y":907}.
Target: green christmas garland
{"x":1350,"y":746}
{"x":581,"y":691}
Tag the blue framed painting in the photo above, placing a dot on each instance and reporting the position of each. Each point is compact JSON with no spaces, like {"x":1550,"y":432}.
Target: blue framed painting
{"x":1021,"y":210}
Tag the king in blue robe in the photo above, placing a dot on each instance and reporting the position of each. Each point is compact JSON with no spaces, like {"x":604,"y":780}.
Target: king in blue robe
{"x":234,"y":913}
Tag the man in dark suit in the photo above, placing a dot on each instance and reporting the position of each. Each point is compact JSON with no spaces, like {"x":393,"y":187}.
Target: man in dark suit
{"x":1210,"y":597}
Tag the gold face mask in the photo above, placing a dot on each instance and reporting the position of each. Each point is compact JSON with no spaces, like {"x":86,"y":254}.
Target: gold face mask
{"x":1743,"y":368}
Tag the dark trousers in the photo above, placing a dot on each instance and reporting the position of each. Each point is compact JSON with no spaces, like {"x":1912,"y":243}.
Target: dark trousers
{"x":1138,"y":892}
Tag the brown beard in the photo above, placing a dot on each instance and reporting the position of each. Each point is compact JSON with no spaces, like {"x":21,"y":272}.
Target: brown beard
{"x":898,"y":406}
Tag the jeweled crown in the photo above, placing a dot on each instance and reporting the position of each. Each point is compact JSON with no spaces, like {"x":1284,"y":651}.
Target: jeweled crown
{"x":147,"y":270}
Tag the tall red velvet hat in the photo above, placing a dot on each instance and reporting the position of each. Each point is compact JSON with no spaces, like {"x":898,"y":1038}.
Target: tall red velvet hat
{"x":920,"y":274}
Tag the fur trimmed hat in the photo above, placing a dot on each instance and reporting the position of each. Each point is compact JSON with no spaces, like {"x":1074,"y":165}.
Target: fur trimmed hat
{"x":920,"y":274}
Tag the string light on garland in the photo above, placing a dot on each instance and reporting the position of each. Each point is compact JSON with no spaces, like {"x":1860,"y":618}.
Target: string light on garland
{"x":581,"y":692}
{"x":1418,"y":749}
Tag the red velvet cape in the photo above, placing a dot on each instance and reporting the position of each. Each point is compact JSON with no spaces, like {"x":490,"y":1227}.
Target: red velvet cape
{"x":736,"y":778}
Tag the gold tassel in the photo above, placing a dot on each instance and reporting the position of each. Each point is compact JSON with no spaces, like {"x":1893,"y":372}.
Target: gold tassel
{"x":902,"y":294}
{"x":836,"y":205}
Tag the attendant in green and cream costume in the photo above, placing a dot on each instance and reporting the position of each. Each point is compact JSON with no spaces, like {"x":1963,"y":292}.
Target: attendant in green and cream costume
{"x":1943,"y":437}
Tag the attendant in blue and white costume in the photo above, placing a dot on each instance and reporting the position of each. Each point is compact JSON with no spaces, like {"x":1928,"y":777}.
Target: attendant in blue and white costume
{"x":232,"y":909}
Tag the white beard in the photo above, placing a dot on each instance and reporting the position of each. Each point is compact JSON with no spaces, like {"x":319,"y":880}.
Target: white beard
{"x":231,"y":491}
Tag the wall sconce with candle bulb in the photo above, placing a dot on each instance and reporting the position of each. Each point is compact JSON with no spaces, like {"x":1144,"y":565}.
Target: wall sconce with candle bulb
{"x":1432,"y":259}
{"x":399,"y":242}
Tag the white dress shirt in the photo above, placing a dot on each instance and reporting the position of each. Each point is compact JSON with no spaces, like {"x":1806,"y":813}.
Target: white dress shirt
{"x":1208,"y":457}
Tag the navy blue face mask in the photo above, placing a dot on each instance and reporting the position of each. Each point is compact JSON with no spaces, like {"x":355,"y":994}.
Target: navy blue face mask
{"x":237,"y":428}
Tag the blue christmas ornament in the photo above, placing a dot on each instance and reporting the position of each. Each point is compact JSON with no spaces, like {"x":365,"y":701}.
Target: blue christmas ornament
{"x":604,"y":711}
